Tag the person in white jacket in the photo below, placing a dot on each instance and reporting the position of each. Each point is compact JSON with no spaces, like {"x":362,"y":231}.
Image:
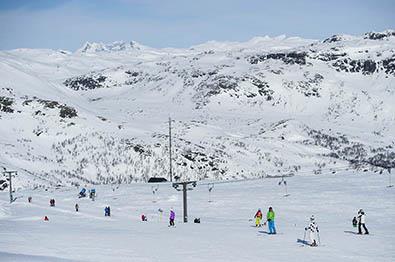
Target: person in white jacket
{"x":361,"y":217}
{"x":313,"y":228}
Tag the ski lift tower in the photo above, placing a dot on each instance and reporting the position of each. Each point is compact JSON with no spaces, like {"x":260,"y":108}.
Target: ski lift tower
{"x":389,"y":174}
{"x":184,"y":187}
{"x":284,"y":182}
{"x":154,"y":193}
{"x":210,"y":188}
{"x":10,"y":173}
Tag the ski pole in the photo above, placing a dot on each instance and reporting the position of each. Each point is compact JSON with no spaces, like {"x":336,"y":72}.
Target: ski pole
{"x":304,"y":236}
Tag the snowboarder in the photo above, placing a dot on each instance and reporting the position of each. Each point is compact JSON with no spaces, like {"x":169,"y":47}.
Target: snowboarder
{"x":258,"y":218}
{"x":77,"y":207}
{"x":29,"y":199}
{"x":143,"y":218}
{"x":361,"y":217}
{"x":172,"y":217}
{"x":314,"y":231}
{"x":270,"y":220}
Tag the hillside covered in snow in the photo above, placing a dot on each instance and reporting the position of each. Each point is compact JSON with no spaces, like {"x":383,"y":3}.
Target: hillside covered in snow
{"x":265,"y":107}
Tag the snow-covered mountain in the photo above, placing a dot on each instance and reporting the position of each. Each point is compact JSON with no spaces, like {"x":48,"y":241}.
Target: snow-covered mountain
{"x":265,"y":107}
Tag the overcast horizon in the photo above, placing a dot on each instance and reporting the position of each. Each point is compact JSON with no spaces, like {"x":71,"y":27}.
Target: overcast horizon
{"x":61,"y":24}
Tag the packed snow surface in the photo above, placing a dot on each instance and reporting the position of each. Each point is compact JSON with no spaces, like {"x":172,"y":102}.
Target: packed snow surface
{"x":226,"y":231}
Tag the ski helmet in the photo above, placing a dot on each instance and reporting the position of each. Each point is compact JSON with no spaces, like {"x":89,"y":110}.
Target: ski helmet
{"x":312,"y":218}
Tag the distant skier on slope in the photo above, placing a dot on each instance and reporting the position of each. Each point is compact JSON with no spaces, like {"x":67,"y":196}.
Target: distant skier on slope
{"x":258,"y":217}
{"x":107,"y":211}
{"x":77,"y":207}
{"x":314,"y":231}
{"x":172,"y":217}
{"x":361,"y":218}
{"x":354,"y":222}
{"x":270,"y":220}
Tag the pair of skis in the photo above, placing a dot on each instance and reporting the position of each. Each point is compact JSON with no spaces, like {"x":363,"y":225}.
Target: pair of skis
{"x":305,"y":243}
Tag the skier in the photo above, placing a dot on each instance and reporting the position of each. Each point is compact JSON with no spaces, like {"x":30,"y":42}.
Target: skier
{"x":361,"y":222}
{"x":172,"y":217}
{"x":314,"y":231}
{"x":160,"y":214}
{"x":29,"y":199}
{"x":76,"y":207}
{"x":52,"y":202}
{"x":354,"y":222}
{"x":46,"y":218}
{"x":107,"y":212}
{"x":258,"y":218}
{"x":270,"y":219}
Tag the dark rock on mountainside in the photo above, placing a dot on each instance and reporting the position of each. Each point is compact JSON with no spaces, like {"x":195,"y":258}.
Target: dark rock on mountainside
{"x":333,"y":39}
{"x":85,"y":82}
{"x":366,"y":67}
{"x":389,"y":65}
{"x":380,"y":35}
{"x":288,"y":58}
{"x":6,"y":104}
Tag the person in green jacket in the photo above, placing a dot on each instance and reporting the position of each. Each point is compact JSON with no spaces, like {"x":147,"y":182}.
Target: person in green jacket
{"x":270,"y":220}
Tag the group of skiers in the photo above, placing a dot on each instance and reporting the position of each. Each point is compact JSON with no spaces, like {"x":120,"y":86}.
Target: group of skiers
{"x":312,"y":228}
{"x":172,"y":217}
{"x":269,"y":220}
{"x":359,"y":221}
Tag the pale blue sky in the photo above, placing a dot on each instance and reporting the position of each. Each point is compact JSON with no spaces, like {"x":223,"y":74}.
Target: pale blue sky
{"x":62,"y":24}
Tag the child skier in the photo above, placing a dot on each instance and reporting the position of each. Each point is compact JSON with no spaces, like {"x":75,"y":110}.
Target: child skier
{"x":258,"y":218}
{"x":172,"y":217}
{"x":270,"y":220}
{"x":361,"y":222}
{"x":313,"y":228}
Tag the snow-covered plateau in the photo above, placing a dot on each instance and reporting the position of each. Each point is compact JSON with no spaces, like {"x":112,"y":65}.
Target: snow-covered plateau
{"x":265,"y":107}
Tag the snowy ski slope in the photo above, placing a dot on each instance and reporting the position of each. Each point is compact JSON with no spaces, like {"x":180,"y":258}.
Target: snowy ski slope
{"x":226,"y":232}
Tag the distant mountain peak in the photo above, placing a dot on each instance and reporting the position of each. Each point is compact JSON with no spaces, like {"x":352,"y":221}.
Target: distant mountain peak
{"x":117,"y":46}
